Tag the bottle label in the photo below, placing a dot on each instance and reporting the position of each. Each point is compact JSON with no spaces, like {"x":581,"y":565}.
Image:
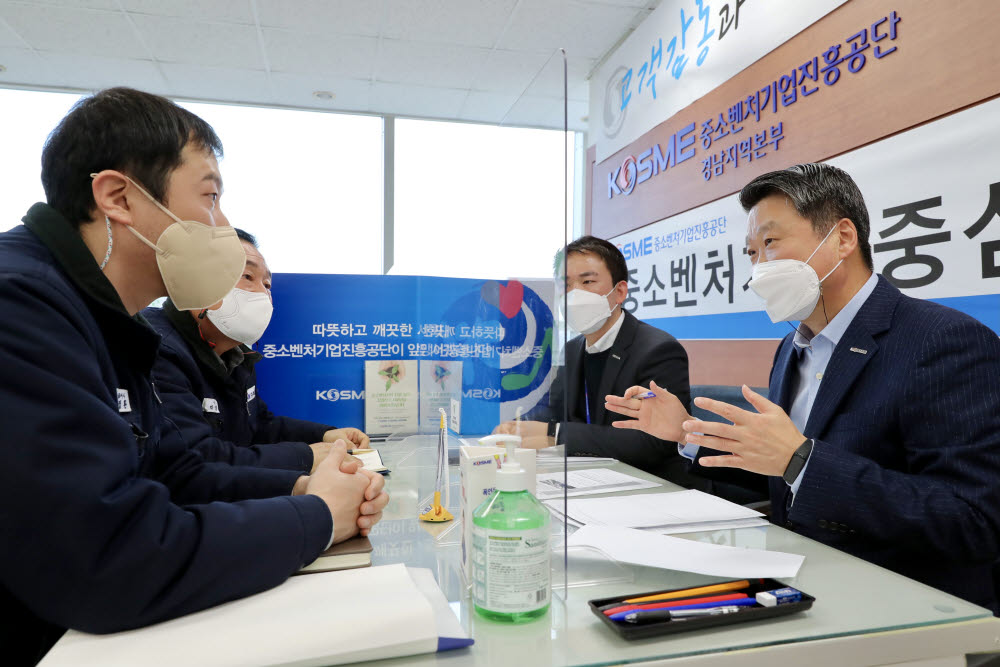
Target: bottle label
{"x":511,"y":569}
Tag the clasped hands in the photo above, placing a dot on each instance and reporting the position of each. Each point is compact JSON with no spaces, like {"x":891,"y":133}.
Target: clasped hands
{"x":762,"y":442}
{"x":354,"y":495}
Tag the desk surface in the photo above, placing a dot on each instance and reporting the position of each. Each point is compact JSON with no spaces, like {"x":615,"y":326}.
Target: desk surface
{"x":863,"y":613}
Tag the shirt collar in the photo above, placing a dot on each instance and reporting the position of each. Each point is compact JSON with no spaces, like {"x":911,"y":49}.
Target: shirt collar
{"x":608,"y":339}
{"x":838,"y":325}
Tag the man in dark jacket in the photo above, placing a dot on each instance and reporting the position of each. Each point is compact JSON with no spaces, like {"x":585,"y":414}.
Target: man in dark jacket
{"x":206,"y":379}
{"x":614,"y":351}
{"x":90,"y":541}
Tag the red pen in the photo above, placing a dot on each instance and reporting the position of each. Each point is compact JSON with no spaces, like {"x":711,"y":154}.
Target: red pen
{"x":673,"y":603}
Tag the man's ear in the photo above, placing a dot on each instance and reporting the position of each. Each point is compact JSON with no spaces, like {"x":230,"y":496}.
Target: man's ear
{"x":621,"y":292}
{"x":109,"y":188}
{"x":848,"y":235}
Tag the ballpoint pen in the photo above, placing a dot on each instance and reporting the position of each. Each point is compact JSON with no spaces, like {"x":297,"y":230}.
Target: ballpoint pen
{"x":657,"y":615}
{"x":438,"y":512}
{"x":624,"y":615}
{"x":663,"y":604}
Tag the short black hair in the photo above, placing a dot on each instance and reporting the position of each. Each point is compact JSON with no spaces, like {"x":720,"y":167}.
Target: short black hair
{"x":607,"y":252}
{"x":137,"y":133}
{"x":820,"y":193}
{"x":246,"y":237}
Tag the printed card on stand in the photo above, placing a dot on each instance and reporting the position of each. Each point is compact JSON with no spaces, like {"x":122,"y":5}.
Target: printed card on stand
{"x":391,"y":397}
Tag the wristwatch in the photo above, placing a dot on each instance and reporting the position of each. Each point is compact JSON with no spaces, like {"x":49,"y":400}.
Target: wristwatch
{"x":798,"y":461}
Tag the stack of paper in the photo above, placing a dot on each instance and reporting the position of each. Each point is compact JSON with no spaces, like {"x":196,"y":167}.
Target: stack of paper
{"x":677,"y":512}
{"x":672,"y":553}
{"x":556,"y":455}
{"x":305,"y":621}
{"x":586,"y":482}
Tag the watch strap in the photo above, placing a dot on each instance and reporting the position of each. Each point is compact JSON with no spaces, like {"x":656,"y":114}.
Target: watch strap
{"x":798,"y":461}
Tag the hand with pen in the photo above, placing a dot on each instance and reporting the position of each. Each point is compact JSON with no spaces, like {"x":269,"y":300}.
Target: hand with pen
{"x":762,"y":441}
{"x":655,"y":411}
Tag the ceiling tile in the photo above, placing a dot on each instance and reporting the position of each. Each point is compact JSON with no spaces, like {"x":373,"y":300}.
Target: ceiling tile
{"x":85,"y":31}
{"x":24,"y":66}
{"x":200,"y":43}
{"x":330,"y":17}
{"x":9,"y":38}
{"x":227,"y":11}
{"x":346,"y":57}
{"x":509,"y":71}
{"x":217,"y":83}
{"x":466,"y":22}
{"x":422,"y":101}
{"x":486,"y":107}
{"x":549,"y":81}
{"x":424,"y":64}
{"x":637,"y":4}
{"x":97,"y":72}
{"x":585,"y":30}
{"x":297,"y":90}
{"x":110,"y":5}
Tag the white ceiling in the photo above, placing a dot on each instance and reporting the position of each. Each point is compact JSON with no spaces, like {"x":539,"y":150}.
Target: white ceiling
{"x":471,"y":60}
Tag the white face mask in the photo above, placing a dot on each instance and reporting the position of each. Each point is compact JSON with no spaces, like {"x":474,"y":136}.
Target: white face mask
{"x":789,"y":287}
{"x":587,"y":312}
{"x":243,"y":316}
{"x":199,"y":263}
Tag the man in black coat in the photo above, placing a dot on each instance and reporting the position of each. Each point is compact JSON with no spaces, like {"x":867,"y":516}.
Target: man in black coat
{"x":206,"y":377}
{"x":614,"y":351}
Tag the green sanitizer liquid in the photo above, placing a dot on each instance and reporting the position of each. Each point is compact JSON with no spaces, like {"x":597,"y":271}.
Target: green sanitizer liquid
{"x":511,"y":575}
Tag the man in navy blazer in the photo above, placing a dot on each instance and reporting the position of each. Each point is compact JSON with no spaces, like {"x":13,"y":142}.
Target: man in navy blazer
{"x":881,"y":431}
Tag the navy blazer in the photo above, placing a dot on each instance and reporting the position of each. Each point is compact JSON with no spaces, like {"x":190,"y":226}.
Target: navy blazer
{"x":905,"y":469}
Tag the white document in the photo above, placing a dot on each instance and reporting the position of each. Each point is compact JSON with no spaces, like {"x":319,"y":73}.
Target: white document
{"x":585,"y":482}
{"x":304,"y":622}
{"x":556,"y":507}
{"x":653,"y":510}
{"x":675,"y":553}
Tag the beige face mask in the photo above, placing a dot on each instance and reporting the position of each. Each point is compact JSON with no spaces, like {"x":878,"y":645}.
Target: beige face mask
{"x":200,"y":264}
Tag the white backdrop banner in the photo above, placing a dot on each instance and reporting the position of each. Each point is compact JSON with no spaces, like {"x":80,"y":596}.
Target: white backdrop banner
{"x":933,"y":196}
{"x":683,"y":50}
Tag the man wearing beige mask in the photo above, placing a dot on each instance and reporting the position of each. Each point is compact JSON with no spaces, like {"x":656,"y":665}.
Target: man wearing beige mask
{"x":91,"y":540}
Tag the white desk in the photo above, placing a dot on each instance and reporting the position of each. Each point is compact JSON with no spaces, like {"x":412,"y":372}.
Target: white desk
{"x":863,"y":614}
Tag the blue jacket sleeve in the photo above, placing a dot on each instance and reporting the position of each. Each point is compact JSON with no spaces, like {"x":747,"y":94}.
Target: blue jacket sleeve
{"x":274,"y":429}
{"x":87,"y":543}
{"x":192,"y":440}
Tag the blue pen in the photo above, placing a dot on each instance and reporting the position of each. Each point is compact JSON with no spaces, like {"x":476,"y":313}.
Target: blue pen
{"x":659,"y":615}
{"x":648,"y":394}
{"x":741,"y":602}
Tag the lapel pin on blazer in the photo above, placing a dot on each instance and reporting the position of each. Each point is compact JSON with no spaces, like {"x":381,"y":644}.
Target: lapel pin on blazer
{"x":616,"y":357}
{"x":859,"y":350}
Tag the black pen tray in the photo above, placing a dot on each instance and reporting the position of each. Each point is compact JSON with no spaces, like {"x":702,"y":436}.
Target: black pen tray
{"x":669,"y":627}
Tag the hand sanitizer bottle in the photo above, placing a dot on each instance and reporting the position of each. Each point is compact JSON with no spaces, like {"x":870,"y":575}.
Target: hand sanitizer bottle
{"x":511,"y":575}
